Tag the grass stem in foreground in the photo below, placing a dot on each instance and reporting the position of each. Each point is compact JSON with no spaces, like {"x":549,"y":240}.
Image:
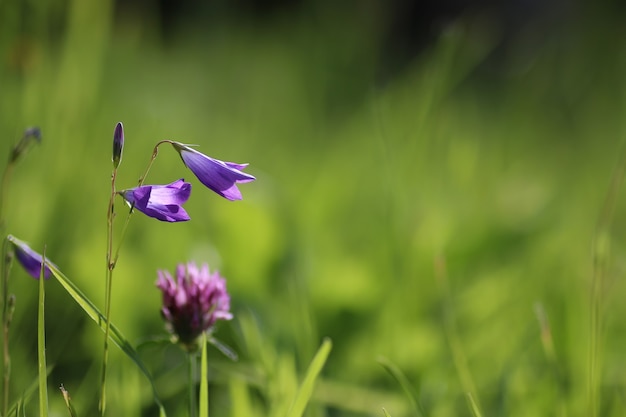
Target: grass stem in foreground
{"x":191,"y":368}
{"x":449,"y":322}
{"x":601,"y":254}
{"x":203,"y":405}
{"x":41,"y":344}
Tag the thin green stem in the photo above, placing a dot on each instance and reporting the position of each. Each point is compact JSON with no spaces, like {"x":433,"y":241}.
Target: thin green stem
{"x":191,"y":362}
{"x":601,"y":255}
{"x":203,"y":405}
{"x":6,"y":310}
{"x":155,"y":152}
{"x":41,"y":344}
{"x":7,"y":315}
{"x":111,"y":261}
{"x":4,"y":189}
{"x":450,"y":328}
{"x":107,"y":292}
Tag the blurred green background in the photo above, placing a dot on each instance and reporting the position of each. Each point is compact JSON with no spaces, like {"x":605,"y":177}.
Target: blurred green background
{"x":420,"y":196}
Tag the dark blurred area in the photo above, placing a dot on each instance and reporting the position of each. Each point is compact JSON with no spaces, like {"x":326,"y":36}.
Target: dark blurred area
{"x":406,"y":28}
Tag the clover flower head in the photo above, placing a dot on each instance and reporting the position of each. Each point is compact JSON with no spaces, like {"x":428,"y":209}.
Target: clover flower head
{"x":220,"y":176}
{"x":29,"y":259}
{"x":193,"y":301}
{"x":162,"y":202}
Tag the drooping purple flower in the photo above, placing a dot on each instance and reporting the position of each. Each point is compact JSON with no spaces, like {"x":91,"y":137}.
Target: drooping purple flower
{"x":30,"y":134}
{"x":118,"y":144}
{"x":219,"y":176}
{"x":163,"y":202}
{"x":193,"y":301}
{"x":29,"y":259}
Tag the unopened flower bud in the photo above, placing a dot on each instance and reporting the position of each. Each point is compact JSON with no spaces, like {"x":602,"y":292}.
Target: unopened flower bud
{"x":118,"y":144}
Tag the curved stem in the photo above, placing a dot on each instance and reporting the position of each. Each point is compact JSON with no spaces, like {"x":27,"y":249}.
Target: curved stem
{"x":155,"y":152}
{"x":142,"y":179}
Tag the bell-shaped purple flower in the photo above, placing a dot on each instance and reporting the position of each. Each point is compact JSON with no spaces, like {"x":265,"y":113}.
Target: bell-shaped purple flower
{"x":163,"y":202}
{"x":219,"y":176}
{"x":29,"y":259}
{"x":193,"y":301}
{"x":30,"y":134}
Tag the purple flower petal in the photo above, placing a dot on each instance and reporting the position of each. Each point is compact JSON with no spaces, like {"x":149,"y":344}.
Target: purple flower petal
{"x":193,"y":301}
{"x":162,"y":202}
{"x":29,"y":259}
{"x":220,"y":176}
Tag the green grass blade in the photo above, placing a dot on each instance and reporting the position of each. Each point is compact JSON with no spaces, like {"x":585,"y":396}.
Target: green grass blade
{"x":306,"y":389}
{"x":115,"y":335}
{"x":473,"y":406}
{"x":19,"y":408}
{"x":19,"y":403}
{"x":601,"y":253}
{"x":204,"y":381}
{"x":386,"y":413}
{"x":239,"y":397}
{"x":41,"y":344}
{"x":403,"y":381}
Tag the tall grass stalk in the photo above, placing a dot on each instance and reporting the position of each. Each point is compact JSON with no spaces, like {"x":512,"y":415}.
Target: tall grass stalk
{"x":456,"y":348}
{"x":403,"y":381}
{"x":306,"y":388}
{"x":601,"y":249}
{"x":473,"y":406}
{"x":41,"y":343}
{"x":547,"y":342}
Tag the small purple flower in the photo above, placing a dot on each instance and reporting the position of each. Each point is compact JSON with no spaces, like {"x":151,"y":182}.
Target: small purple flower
{"x":219,"y":176}
{"x":118,"y":144}
{"x":30,"y":134}
{"x":29,"y":259}
{"x":163,"y":202}
{"x":193,"y":302}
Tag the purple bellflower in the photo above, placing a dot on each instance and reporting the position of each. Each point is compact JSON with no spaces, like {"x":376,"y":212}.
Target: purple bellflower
{"x":163,"y":202}
{"x":193,"y":301}
{"x":30,"y":134}
{"x":219,"y":176}
{"x":29,"y":259}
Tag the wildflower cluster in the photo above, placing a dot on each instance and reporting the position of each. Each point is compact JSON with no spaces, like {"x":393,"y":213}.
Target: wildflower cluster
{"x":164,"y":202}
{"x":194,"y":299}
